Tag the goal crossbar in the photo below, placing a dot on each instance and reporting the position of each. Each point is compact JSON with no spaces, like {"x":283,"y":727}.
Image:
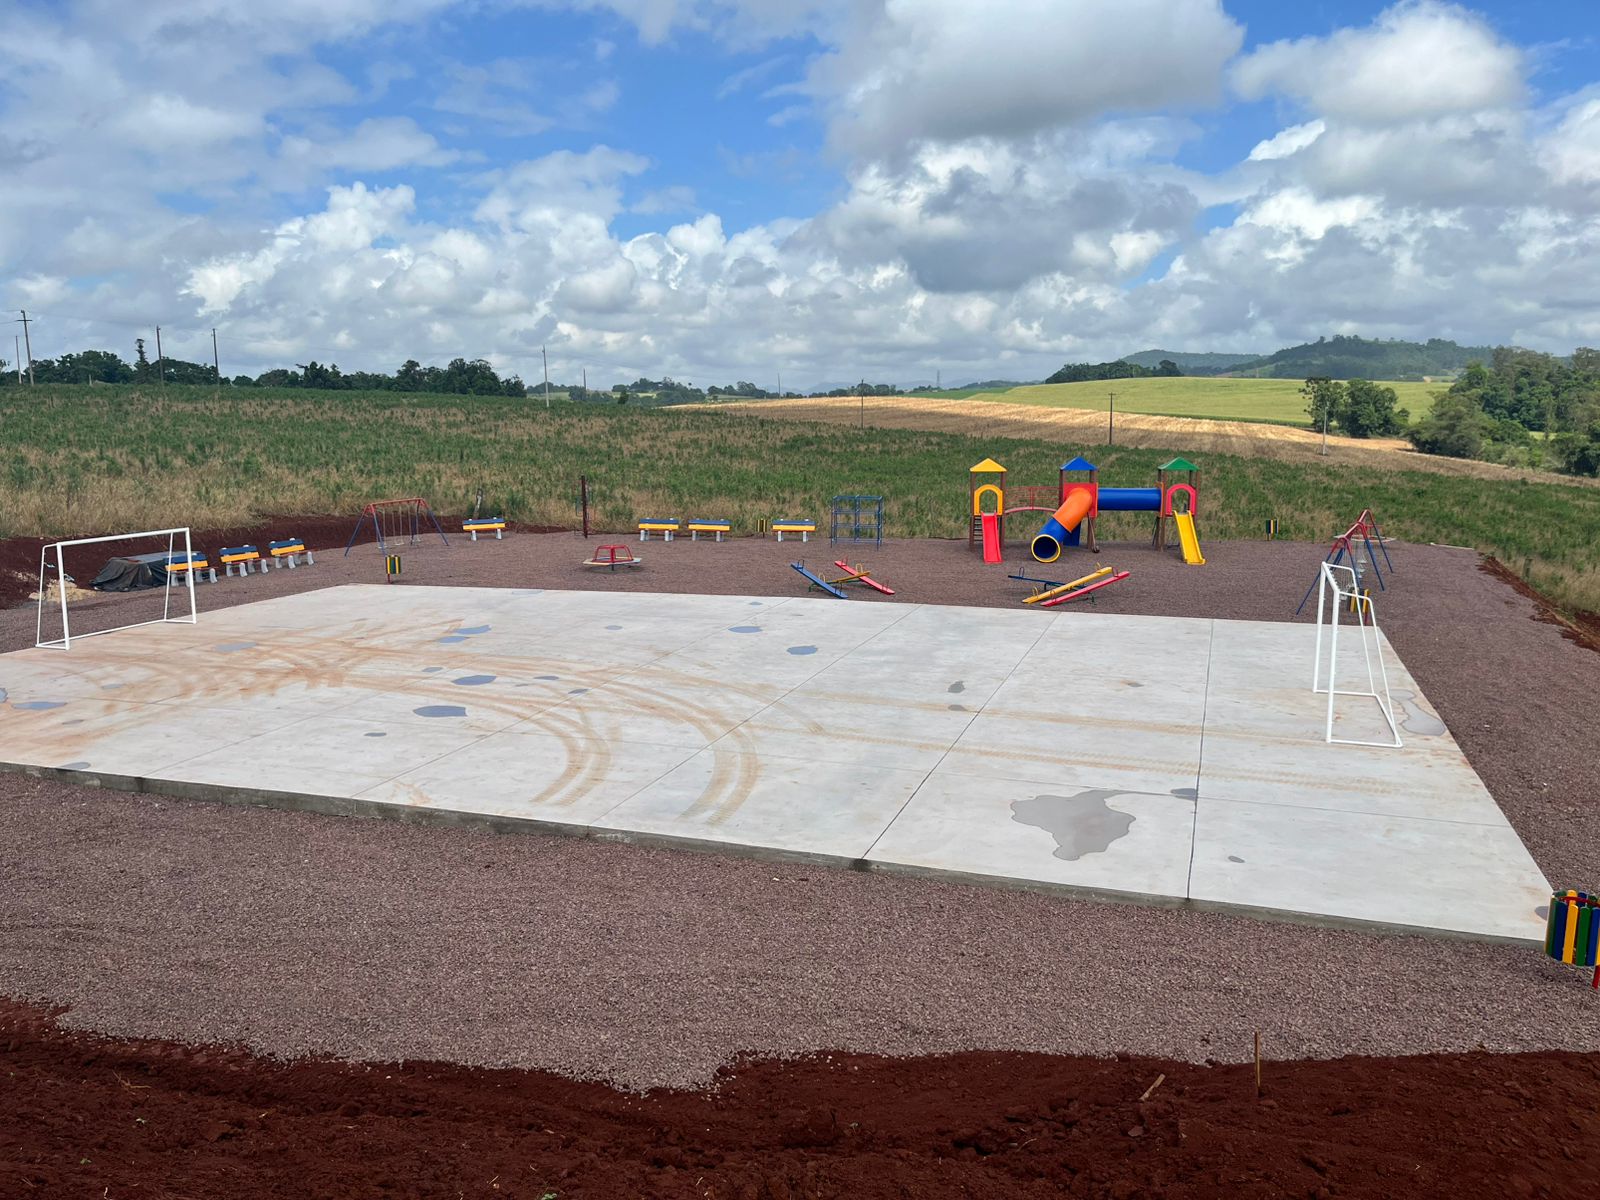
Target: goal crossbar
{"x":56,"y":550}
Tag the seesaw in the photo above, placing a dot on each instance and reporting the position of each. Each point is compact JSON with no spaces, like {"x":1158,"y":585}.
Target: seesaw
{"x":858,"y":574}
{"x":1118,"y":577}
{"x":1060,"y":588}
{"x":819,"y":583}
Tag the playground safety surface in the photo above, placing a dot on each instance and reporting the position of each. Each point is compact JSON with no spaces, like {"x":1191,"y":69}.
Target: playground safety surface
{"x":1166,"y":759}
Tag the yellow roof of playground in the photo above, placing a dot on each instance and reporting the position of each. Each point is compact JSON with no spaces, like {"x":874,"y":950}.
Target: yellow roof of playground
{"x":986,"y":465}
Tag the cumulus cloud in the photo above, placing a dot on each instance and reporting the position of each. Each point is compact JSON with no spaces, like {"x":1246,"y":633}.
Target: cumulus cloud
{"x":1000,"y":224}
{"x":1420,"y":59}
{"x":947,"y":70}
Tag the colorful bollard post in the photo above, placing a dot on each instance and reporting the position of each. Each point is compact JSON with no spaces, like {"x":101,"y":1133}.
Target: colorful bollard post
{"x":1572,"y":930}
{"x":391,"y":567}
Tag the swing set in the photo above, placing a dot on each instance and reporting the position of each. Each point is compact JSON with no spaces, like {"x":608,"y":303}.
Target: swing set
{"x":397,"y":522}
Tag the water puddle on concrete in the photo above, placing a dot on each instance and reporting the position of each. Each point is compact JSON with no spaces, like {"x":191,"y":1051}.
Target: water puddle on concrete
{"x":1414,"y":718}
{"x":440,"y":710}
{"x":1081,"y":824}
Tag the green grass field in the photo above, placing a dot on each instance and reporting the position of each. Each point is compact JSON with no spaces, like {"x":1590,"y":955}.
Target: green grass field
{"x":1275,"y":400}
{"x":96,"y":460}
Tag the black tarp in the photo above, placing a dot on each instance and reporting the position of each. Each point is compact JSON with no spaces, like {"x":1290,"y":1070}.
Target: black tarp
{"x":131,"y":574}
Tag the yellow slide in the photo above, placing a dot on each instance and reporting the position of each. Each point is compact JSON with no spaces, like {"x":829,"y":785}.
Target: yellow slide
{"x":1189,"y":540}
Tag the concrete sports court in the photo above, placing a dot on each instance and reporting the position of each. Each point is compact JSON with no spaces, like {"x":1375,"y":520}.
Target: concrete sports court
{"x":1155,"y":758}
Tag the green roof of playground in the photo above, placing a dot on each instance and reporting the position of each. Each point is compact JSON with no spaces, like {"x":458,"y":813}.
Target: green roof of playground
{"x":1178,"y":464}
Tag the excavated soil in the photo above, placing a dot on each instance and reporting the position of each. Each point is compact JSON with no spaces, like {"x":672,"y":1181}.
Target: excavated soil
{"x":87,"y":1117}
{"x":581,"y":966}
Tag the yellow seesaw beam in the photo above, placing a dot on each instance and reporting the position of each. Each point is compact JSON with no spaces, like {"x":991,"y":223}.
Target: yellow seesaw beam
{"x":1067,"y":587}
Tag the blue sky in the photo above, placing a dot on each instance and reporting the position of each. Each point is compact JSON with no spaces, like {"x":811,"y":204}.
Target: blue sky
{"x":833,"y":188}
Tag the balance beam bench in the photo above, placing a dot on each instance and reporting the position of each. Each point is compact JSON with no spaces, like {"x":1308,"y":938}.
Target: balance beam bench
{"x":665,"y":526}
{"x":176,"y":564}
{"x":494,"y":525}
{"x":246,"y":558}
{"x":804,"y":528}
{"x":287,"y":553}
{"x":696,"y":528}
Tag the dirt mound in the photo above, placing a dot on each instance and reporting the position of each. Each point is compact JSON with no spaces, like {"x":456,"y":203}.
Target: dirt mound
{"x":91,"y":1117}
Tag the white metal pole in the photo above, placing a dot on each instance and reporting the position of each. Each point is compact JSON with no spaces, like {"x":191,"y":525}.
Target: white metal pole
{"x":38,"y":609}
{"x":61,"y":582}
{"x":166,"y":582}
{"x":188,"y":552}
{"x":1333,"y":665}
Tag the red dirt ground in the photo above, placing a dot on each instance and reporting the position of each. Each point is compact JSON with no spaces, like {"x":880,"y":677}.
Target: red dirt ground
{"x":91,"y":1117}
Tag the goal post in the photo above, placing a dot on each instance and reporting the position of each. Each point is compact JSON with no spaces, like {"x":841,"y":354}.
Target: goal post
{"x":178,"y":555}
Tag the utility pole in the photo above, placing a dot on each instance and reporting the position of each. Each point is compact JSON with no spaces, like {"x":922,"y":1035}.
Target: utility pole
{"x":938,"y":380}
{"x":216,"y":365}
{"x":161,"y":369}
{"x":586,"y":383}
{"x":863,"y":390}
{"x":1111,"y":418}
{"x":546,"y":359}
{"x":28,"y":342}
{"x":780,"y":383}
{"x":1325,"y":408}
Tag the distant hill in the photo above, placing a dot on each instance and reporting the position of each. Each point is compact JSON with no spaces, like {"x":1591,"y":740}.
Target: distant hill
{"x":1361,"y":358}
{"x":1191,"y":364}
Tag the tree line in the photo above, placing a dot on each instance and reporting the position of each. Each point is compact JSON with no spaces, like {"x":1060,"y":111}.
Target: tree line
{"x":474,"y":377}
{"x":1521,"y":408}
{"x":1120,"y":369}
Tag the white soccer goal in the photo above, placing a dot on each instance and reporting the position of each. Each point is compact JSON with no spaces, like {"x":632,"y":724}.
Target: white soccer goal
{"x":1332,"y":598}
{"x":176,"y":565}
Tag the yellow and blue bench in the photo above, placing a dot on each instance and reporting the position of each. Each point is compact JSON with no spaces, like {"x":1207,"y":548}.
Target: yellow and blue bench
{"x":477,"y":525}
{"x":195,"y":561}
{"x":287,"y":553}
{"x":665,"y":526}
{"x":804,"y":528}
{"x":696,"y":528}
{"x":241,"y":557}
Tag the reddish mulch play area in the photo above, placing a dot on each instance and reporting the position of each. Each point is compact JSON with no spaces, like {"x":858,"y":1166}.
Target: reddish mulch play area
{"x":88,"y":1117}
{"x":873,"y":1022}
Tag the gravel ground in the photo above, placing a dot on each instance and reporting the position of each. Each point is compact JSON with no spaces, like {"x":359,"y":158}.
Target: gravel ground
{"x":297,"y":934}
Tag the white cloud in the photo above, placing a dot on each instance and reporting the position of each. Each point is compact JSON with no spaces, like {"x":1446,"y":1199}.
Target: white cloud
{"x":998,"y":225}
{"x":1571,"y":152}
{"x":1418,"y":59}
{"x":1288,"y":141}
{"x":948,"y":70}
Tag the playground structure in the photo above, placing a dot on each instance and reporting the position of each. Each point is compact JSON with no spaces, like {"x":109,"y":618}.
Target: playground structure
{"x":1074,"y":504}
{"x":1572,"y":931}
{"x":612,"y":557}
{"x":856,"y":519}
{"x":1333,"y":596}
{"x":1355,"y":543}
{"x":397,"y":521}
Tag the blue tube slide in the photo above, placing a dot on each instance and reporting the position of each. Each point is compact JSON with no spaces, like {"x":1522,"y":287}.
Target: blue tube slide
{"x":1130,"y":499}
